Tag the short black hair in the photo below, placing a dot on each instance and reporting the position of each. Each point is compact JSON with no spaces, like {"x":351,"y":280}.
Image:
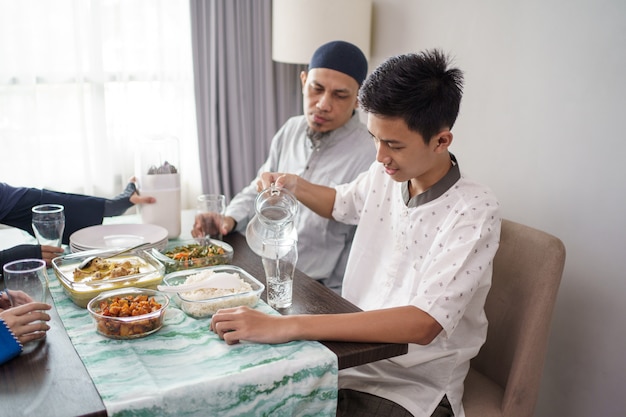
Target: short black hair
{"x":420,"y":88}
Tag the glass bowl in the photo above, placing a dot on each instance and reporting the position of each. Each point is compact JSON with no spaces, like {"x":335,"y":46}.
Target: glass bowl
{"x":81,"y":289}
{"x":201,"y":303}
{"x":112,"y":311}
{"x":194,"y":253}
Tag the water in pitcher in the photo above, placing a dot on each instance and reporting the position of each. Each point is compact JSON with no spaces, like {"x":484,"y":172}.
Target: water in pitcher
{"x":277,"y":215}
{"x":275,"y":212}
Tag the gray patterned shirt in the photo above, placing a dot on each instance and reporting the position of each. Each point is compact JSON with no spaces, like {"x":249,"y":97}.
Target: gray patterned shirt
{"x":323,"y":244}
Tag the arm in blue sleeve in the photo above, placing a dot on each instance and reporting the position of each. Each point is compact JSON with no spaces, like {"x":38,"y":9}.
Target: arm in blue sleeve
{"x":19,"y":252}
{"x":10,"y":347}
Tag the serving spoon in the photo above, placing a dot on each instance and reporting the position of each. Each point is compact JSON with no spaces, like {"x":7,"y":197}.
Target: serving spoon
{"x":87,"y":261}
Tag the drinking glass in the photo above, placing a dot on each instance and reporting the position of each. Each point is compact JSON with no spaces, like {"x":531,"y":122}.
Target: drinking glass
{"x":48,"y":224}
{"x":212,"y":206}
{"x":26,"y":281}
{"x":279,"y":261}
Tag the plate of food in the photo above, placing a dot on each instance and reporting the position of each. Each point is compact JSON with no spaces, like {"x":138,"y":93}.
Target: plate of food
{"x":194,"y":253}
{"x":104,"y":273}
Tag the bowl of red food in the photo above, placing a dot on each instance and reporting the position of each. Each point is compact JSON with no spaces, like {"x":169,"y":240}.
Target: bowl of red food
{"x":128,"y":313}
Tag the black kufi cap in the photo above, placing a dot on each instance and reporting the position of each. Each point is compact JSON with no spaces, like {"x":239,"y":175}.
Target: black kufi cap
{"x":343,"y":57}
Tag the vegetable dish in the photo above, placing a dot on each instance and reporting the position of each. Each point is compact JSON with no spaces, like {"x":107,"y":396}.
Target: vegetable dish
{"x":194,"y":255}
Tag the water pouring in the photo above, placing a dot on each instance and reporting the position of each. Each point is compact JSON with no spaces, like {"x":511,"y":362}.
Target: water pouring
{"x":275,"y":209}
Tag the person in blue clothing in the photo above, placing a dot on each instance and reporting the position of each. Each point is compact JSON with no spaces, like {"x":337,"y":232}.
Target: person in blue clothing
{"x":80,"y":211}
{"x":21,"y":324}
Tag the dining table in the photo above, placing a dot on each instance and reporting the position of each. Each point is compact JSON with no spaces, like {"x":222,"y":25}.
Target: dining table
{"x":184,"y":368}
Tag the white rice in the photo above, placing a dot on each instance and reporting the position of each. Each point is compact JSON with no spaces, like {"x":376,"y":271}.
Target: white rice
{"x":206,"y":301}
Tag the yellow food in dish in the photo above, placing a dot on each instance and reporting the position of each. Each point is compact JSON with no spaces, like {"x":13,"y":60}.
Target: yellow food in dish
{"x":100,"y":269}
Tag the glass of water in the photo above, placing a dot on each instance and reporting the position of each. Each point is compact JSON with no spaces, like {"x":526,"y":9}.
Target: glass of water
{"x":279,"y":261}
{"x":48,"y":224}
{"x":26,"y":281}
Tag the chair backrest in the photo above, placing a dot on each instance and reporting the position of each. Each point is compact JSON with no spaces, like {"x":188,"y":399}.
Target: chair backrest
{"x":527,"y":273}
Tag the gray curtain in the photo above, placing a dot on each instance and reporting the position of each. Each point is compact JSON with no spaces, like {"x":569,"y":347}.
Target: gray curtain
{"x":242,"y":96}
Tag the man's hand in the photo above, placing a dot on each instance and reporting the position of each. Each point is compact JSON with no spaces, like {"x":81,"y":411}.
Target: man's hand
{"x":142,"y":199}
{"x":48,"y":253}
{"x":208,"y":224}
{"x":244,"y":323}
{"x":280,"y":180}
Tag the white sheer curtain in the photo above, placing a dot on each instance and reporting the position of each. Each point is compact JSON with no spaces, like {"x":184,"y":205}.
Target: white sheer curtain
{"x":81,"y":80}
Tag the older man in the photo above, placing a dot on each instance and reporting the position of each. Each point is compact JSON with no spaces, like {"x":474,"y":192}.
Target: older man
{"x":327,"y":145}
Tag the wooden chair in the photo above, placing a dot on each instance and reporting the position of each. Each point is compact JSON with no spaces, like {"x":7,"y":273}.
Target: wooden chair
{"x":504,"y":378}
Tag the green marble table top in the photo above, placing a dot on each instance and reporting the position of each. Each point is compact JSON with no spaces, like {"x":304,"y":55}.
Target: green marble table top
{"x":184,"y":369}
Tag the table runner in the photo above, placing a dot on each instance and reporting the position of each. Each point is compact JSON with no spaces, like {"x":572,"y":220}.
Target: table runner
{"x":184,"y":369}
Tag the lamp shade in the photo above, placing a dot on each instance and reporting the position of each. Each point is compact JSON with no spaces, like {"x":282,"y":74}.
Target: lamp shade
{"x":299,"y":27}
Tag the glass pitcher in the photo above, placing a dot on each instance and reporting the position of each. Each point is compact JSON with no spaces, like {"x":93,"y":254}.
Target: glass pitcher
{"x":276,"y":209}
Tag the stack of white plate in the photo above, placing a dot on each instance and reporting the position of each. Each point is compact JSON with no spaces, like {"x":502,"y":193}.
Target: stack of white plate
{"x":107,"y":236}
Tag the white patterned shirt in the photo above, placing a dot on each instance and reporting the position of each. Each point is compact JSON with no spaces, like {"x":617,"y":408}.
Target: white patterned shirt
{"x":434,"y":252}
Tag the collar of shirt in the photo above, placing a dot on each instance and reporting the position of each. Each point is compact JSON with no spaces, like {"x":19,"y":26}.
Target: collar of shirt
{"x":436,"y":191}
{"x":335,"y":135}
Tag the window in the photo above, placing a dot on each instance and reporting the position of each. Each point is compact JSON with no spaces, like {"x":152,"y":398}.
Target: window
{"x":81,"y":80}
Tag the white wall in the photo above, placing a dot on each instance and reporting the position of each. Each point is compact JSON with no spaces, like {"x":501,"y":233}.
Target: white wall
{"x":541,"y":124}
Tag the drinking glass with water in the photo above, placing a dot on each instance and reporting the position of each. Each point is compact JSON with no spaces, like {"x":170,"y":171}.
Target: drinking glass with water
{"x":279,"y":261}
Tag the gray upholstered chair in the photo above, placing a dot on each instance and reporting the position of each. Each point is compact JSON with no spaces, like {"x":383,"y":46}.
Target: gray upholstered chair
{"x":504,"y":378}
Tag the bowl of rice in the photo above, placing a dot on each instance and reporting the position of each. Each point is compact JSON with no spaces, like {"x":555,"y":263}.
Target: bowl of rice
{"x":204,"y":302}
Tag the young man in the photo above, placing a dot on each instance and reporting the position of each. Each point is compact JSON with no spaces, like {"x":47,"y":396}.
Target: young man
{"x":421,"y":259}
{"x":327,"y":145}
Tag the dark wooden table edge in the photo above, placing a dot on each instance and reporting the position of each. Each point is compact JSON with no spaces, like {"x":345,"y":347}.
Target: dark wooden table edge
{"x":381,"y":351}
{"x":317,"y":298}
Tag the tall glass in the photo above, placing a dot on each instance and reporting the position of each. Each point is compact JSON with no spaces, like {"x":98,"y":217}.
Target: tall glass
{"x":214,"y":207}
{"x":49,"y":224}
{"x":279,"y":261}
{"x":25,"y":281}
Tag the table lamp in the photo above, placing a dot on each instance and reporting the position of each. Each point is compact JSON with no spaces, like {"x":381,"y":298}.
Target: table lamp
{"x":299,"y":27}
